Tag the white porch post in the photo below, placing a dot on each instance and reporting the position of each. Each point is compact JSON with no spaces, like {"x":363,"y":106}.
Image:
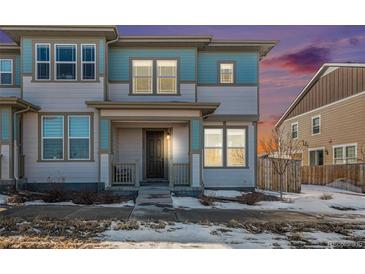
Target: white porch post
{"x":196,"y":129}
{"x":105,"y":151}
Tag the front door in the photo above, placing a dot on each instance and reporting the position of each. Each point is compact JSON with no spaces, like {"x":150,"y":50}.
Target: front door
{"x":155,"y":161}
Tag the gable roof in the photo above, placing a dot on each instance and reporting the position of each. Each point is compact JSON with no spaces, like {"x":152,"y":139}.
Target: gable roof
{"x":321,"y":72}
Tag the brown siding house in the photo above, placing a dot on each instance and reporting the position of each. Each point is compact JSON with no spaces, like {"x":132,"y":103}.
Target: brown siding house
{"x":328,"y":116}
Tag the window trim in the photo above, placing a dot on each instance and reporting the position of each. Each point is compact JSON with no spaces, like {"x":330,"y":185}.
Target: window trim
{"x":291,"y":130}
{"x":247,"y":149}
{"x":315,"y":149}
{"x":12,"y":71}
{"x":69,"y":138}
{"x":158,"y":77}
{"x":219,"y":63}
{"x":87,"y":62}
{"x":344,"y":159}
{"x":42,"y":62}
{"x":63,"y":138}
{"x":221,"y":147}
{"x":65,"y":62}
{"x":320,"y":124}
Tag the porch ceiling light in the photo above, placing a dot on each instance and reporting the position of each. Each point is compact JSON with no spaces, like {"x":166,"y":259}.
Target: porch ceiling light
{"x":168,"y":136}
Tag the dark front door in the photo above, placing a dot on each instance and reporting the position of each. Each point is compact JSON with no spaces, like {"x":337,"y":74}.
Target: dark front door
{"x":155,"y":154}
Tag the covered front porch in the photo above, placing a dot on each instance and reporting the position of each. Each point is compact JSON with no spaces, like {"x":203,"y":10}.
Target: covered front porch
{"x":149,"y":143}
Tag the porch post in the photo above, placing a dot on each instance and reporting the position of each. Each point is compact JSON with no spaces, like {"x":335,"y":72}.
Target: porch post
{"x":196,"y":128}
{"x":105,"y":151}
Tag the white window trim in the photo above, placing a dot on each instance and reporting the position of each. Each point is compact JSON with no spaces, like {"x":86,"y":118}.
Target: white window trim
{"x":88,"y":62}
{"x":152,"y":78}
{"x":315,"y":149}
{"x":42,"y":62}
{"x":220,"y":73}
{"x":235,"y":147}
{"x":221,"y":147}
{"x":320,"y":125}
{"x":63,"y":138}
{"x":291,"y":130}
{"x":68,"y":138}
{"x":12,"y":71}
{"x":64,"y":62}
{"x":167,"y":77}
{"x":343,"y":146}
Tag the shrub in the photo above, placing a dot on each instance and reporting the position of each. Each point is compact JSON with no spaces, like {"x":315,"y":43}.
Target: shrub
{"x":206,"y":200}
{"x":85,"y":197}
{"x":326,"y":196}
{"x":56,"y":194}
{"x":16,"y":199}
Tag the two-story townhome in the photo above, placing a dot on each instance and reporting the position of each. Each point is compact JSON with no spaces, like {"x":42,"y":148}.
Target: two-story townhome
{"x":95,"y":109}
{"x":328,"y":116}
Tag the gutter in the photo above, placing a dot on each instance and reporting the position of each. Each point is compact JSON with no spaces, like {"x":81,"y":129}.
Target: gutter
{"x":106,"y":77}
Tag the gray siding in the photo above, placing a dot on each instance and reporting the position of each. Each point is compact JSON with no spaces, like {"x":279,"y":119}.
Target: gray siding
{"x":10,"y":92}
{"x":237,"y":177}
{"x":120,"y":92}
{"x":234,"y":100}
{"x":36,"y":171}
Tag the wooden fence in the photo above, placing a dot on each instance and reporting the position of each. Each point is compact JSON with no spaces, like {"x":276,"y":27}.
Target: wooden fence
{"x":268,"y":179}
{"x":323,"y":175}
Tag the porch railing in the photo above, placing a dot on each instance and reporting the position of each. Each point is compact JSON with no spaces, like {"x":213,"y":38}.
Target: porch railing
{"x":125,"y":174}
{"x":180,"y":174}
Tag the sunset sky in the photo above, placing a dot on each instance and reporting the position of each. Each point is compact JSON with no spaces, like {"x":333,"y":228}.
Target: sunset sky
{"x":289,"y":66}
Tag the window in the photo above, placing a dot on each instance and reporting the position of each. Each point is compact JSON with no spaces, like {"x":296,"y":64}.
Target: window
{"x":226,"y":73}
{"x":79,"y":137}
{"x":142,"y":76}
{"x":213,"y":147}
{"x":316,"y":125}
{"x":316,"y":157}
{"x":65,"y":62}
{"x":236,"y":147}
{"x":52,"y":137}
{"x":345,"y":154}
{"x":6,"y":71}
{"x":166,"y":76}
{"x":88,"y":62}
{"x":43,"y":62}
{"x":294,"y":130}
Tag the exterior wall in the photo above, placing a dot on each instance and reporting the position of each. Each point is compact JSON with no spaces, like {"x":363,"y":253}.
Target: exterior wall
{"x":234,"y":177}
{"x":10,"y":92}
{"x":234,"y":100}
{"x":120,"y":92}
{"x":341,"y":123}
{"x":246,"y":64}
{"x":71,"y":171}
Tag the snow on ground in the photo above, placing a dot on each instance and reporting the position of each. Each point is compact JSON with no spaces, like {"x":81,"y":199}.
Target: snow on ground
{"x":222,"y":193}
{"x":70,"y":203}
{"x":306,"y":201}
{"x":3,"y":199}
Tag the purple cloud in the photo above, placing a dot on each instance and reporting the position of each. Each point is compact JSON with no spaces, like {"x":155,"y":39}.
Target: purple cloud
{"x":305,"y":60}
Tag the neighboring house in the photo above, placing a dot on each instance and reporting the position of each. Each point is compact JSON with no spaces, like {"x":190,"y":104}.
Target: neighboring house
{"x":328,"y":116}
{"x":176,"y":109}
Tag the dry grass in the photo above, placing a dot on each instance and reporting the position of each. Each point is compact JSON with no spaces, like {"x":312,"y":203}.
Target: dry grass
{"x":326,"y":196}
{"x":128,"y":225}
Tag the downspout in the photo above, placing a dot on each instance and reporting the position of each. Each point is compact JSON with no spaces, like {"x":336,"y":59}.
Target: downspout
{"x":16,"y":113}
{"x":106,"y":78}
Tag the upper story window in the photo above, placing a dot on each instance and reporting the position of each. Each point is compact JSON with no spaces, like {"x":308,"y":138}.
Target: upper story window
{"x":43,"y":61}
{"x":294,"y":130}
{"x":65,"y":62}
{"x":316,"y":125}
{"x":142,"y":79}
{"x":345,"y":154}
{"x":166,"y":76}
{"x":226,"y":73}
{"x":6,"y":71}
{"x":88,"y":61}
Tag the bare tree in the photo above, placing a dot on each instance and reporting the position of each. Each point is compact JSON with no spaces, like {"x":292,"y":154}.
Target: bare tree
{"x":281,"y":149}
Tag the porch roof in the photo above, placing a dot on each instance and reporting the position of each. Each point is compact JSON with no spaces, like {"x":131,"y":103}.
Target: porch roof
{"x":205,"y":108}
{"x":18,"y":103}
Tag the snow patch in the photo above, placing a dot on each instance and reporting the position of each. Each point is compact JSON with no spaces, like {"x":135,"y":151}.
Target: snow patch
{"x":70,"y":203}
{"x":3,"y":199}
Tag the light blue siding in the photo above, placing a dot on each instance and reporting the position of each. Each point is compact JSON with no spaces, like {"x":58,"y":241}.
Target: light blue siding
{"x":5,"y":131}
{"x":246,"y":66}
{"x":195,"y":134}
{"x":119,"y":61}
{"x":27,"y":55}
{"x":101,"y":56}
{"x":17,"y":70}
{"x":104,"y":134}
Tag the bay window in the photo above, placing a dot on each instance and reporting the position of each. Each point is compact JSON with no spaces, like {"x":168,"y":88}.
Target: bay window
{"x":213,"y":147}
{"x":6,"y":71}
{"x":142,"y":76}
{"x":43,"y":62}
{"x":52,"y":137}
{"x":65,"y":61}
{"x":88,"y":61}
{"x":166,"y":76}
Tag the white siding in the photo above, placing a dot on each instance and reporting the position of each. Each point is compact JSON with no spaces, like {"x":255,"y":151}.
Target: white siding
{"x":120,"y":92}
{"x":237,"y":177}
{"x":234,"y":100}
{"x":10,"y":92}
{"x":53,"y":96}
{"x":36,"y":171}
{"x":180,"y":144}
